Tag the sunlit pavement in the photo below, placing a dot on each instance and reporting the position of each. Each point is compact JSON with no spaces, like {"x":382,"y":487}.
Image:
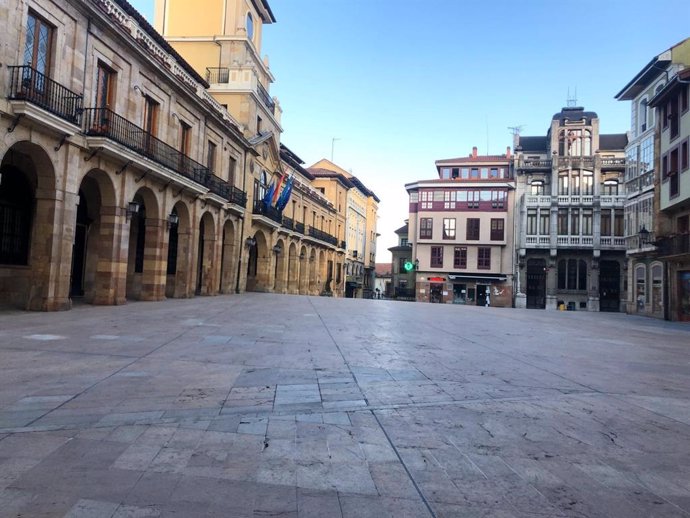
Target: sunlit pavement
{"x":270,"y":405}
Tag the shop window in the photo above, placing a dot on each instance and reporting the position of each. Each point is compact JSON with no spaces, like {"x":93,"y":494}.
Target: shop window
{"x":641,"y":286}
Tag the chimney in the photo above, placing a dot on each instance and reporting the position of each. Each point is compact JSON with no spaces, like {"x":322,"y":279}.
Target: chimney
{"x":474,"y":152}
{"x":507,"y":151}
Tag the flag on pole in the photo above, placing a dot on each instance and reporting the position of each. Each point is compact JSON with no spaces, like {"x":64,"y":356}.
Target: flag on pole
{"x":269,"y":194}
{"x":285,"y":195}
{"x":276,"y":194}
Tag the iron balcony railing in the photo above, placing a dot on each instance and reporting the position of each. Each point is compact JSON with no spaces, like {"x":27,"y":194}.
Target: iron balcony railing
{"x":270,"y":212}
{"x":225,"y":190}
{"x":265,"y":98}
{"x":673,"y":245}
{"x":217,"y":75}
{"x":30,"y":85}
{"x":613,"y":162}
{"x":299,"y":227}
{"x":640,"y":242}
{"x":102,"y":122}
{"x":323,"y":236}
{"x":343,"y":245}
{"x":288,"y":222}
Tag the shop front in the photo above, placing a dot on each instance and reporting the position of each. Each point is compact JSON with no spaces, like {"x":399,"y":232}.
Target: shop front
{"x":481,"y":290}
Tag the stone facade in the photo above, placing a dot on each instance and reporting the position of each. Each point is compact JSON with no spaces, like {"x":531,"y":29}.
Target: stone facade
{"x":123,"y":178}
{"x":570,"y":220}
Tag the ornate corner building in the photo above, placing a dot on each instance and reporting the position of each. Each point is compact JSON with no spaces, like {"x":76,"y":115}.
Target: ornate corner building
{"x":570,"y":235}
{"x":137,"y":166}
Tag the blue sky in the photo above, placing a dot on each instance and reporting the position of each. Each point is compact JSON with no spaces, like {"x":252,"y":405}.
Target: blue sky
{"x":402,"y":83}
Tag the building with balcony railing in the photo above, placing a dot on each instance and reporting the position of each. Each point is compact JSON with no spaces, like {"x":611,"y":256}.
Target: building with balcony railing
{"x":672,"y":165}
{"x":121,"y":177}
{"x":569,"y":223}
{"x":646,"y":277}
{"x":356,"y":211}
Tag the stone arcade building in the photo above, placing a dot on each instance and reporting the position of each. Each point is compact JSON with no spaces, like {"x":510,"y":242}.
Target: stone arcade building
{"x":121,"y":177}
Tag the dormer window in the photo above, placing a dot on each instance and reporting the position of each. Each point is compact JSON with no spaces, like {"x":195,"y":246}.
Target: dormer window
{"x":250,"y":26}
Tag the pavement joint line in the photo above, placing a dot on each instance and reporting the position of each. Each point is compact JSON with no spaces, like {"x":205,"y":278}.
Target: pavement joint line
{"x":512,"y":357}
{"x":155,"y":349}
{"x":385,"y":433}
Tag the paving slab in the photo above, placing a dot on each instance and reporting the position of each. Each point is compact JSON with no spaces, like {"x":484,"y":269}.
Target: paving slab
{"x":342,"y":408}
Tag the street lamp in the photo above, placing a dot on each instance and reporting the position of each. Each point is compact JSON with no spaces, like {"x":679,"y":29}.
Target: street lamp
{"x":644,"y":236}
{"x":132,"y":208}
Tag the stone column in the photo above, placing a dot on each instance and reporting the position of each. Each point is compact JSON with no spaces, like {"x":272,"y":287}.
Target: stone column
{"x":155,"y":263}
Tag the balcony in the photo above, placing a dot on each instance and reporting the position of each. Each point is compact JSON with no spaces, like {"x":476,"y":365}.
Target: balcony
{"x":268,"y":211}
{"x":532,"y":200}
{"x":576,"y":200}
{"x":537,"y":241}
{"x":612,"y":242}
{"x":668,"y":246}
{"x":28,"y":85}
{"x":343,"y":245}
{"x":638,"y":244}
{"x":613,"y":163}
{"x":322,"y":236}
{"x":221,"y":76}
{"x":533,"y":164}
{"x":299,"y":227}
{"x":288,"y":223}
{"x":576,"y":161}
{"x":101,"y":122}
{"x":615,"y":200}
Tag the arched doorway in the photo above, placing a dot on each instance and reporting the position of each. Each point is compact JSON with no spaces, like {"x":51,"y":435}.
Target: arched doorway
{"x":609,"y":286}
{"x":179,"y":252}
{"x":536,"y":284}
{"x":30,"y":233}
{"x":227,"y":258}
{"x":258,"y":264}
{"x":206,"y":255}
{"x":281,"y":263}
{"x":293,"y":269}
{"x":303,"y":272}
{"x":313,"y":269}
{"x":145,"y":278}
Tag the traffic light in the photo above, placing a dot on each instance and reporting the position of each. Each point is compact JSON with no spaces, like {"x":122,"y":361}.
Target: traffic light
{"x":409,"y":266}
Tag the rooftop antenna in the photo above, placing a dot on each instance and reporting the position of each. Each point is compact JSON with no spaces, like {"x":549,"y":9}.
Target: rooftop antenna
{"x":572,"y":99}
{"x":333,"y":146}
{"x":515,"y":130}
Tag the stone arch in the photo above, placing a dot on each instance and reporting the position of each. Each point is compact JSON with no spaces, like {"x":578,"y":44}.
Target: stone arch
{"x":179,"y":263}
{"x":313,"y":271}
{"x":303,"y":271}
{"x":44,"y":240}
{"x":258,"y":264}
{"x":293,"y":269}
{"x":228,"y":258}
{"x":322,"y":272}
{"x":145,"y":274}
{"x":281,"y":267}
{"x":206,"y":255}
{"x":96,"y":249}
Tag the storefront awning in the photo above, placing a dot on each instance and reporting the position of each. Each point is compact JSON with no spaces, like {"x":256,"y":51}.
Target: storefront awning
{"x":477,"y":277}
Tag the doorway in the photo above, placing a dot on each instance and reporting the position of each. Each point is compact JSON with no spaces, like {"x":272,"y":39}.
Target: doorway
{"x":482,"y":294}
{"x":609,"y":286}
{"x":436,"y":293}
{"x":79,"y":248}
{"x":536,"y":284}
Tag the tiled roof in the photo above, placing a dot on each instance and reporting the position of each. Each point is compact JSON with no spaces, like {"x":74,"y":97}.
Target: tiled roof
{"x":574,"y":113}
{"x":383,"y":269}
{"x":533,"y":144}
{"x":325,"y":173}
{"x":294,"y":161}
{"x":478,"y":158}
{"x":404,"y":229}
{"x":613,"y":142}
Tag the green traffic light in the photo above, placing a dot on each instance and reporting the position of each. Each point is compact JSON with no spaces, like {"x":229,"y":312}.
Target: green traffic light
{"x":409,"y":266}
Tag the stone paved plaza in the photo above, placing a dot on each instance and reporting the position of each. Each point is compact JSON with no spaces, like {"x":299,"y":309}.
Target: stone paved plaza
{"x":275,"y":405}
